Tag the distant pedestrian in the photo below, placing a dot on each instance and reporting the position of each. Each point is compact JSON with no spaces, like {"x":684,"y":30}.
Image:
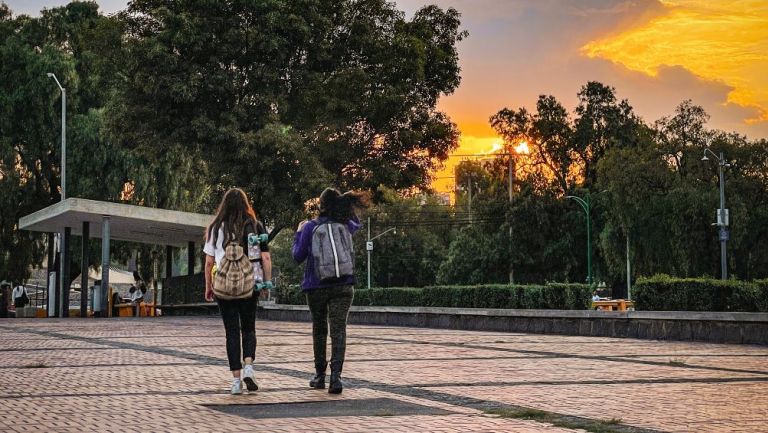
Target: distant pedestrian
{"x":326,"y":245}
{"x":233,"y":285}
{"x":19,"y":295}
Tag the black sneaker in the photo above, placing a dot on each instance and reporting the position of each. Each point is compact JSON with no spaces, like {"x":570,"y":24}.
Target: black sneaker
{"x":318,"y":382}
{"x":336,"y":386}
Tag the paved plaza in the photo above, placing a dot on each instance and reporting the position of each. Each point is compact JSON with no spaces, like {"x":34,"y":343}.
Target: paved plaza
{"x":169,"y":374}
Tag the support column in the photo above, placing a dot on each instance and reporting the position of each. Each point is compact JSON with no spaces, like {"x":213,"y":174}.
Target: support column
{"x":57,"y":277}
{"x":155,"y":276}
{"x":168,"y":261}
{"x":66,"y":265}
{"x":105,"y":259}
{"x":190,"y":258}
{"x":50,"y":268}
{"x":84,"y":254}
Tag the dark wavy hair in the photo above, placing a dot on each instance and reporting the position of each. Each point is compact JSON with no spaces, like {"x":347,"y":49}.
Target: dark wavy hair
{"x":234,"y":213}
{"x":342,"y":207}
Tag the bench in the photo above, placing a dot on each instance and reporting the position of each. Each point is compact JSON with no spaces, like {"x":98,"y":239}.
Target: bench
{"x":612,"y":305}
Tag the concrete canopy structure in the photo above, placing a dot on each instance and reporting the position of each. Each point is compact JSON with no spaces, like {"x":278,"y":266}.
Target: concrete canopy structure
{"x":105,"y":220}
{"x":127,"y":222}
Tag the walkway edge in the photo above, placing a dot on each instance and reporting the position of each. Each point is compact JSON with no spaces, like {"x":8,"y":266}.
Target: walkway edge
{"x":714,"y":327}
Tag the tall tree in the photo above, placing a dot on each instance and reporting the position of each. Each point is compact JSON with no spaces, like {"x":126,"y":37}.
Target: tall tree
{"x":284,"y":97}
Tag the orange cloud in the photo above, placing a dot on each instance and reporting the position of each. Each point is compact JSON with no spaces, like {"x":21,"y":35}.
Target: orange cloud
{"x":724,"y":41}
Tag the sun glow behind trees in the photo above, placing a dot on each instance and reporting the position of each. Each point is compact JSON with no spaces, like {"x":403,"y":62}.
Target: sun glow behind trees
{"x":444,"y":179}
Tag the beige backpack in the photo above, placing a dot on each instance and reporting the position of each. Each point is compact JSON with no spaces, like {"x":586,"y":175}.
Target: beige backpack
{"x":234,"y":276}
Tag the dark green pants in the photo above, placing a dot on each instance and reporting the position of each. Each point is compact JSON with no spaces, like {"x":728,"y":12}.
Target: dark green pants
{"x":330,"y":306}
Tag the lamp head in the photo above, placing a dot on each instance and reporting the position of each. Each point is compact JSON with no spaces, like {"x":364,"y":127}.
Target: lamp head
{"x":705,"y":158}
{"x":50,"y":75}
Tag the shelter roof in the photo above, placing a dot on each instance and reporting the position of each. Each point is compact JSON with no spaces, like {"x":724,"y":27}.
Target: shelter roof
{"x":127,"y":222}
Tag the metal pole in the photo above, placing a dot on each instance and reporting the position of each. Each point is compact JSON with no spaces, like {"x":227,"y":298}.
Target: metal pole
{"x":629,"y":284}
{"x":155,"y":276}
{"x":589,"y":245}
{"x":63,"y":144}
{"x":63,"y":136}
{"x":470,"y":199}
{"x":369,"y":253}
{"x":510,"y":178}
{"x":65,"y":268}
{"x":723,"y":241}
{"x":511,"y":267}
{"x":84,"y":253}
{"x":51,"y":269}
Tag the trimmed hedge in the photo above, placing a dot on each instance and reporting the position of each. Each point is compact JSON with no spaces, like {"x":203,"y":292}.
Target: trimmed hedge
{"x":549,"y":296}
{"x":665,"y":293}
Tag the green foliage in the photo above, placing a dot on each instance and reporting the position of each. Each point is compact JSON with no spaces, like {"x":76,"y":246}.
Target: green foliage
{"x":549,"y":296}
{"x":285,"y":97}
{"x":411,"y":255}
{"x":665,"y":293}
{"x":290,"y":295}
{"x":762,"y":295}
{"x":169,"y":104}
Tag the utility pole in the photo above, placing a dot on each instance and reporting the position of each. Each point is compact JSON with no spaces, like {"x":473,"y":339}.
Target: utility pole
{"x":511,"y":267}
{"x":722,"y":213}
{"x":629,"y":278}
{"x":369,"y":248}
{"x":723,"y":221}
{"x":469,"y":180}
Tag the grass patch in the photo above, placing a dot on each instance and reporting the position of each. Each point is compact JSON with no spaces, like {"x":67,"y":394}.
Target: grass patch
{"x":677,"y":362}
{"x":612,"y":425}
{"x":36,"y":365}
{"x":385,"y":412}
{"x":612,"y":421}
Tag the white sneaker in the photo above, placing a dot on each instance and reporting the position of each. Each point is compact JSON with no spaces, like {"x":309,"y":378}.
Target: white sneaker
{"x":237,"y":387}
{"x":250,"y":382}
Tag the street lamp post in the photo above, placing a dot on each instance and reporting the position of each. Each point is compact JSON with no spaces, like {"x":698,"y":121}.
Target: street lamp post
{"x":63,"y":137}
{"x":64,"y":237}
{"x":722,"y":214}
{"x":585,"y":205}
{"x":369,"y":245}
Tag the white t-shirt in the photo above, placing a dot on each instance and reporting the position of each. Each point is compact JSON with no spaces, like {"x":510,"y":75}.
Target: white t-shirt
{"x":18,"y":291}
{"x":217,"y":251}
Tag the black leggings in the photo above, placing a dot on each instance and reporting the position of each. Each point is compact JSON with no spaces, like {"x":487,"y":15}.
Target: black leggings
{"x":239,"y":316}
{"x":330,"y":306}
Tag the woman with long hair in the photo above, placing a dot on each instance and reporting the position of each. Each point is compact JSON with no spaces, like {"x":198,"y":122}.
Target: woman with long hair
{"x":234,"y":223}
{"x":329,"y":298}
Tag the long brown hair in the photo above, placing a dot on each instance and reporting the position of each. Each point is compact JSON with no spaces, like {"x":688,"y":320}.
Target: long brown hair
{"x":234,"y":213}
{"x":342,"y":207}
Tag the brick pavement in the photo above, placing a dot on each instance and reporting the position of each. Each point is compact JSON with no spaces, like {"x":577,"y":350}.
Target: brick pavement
{"x":160,"y":374}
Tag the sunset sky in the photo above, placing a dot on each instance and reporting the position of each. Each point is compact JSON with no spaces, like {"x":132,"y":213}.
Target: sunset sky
{"x":656,"y":53}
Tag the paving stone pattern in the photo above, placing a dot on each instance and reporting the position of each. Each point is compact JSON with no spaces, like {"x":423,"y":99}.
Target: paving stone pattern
{"x":168,"y":375}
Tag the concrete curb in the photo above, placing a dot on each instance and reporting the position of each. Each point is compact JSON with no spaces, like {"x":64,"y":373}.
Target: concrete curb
{"x":713,"y":327}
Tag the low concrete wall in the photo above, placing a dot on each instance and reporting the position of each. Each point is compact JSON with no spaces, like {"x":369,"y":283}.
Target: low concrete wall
{"x":714,"y":327}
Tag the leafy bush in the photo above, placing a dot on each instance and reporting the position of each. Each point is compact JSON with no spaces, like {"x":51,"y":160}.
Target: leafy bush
{"x":762,"y":295}
{"x":290,"y":295}
{"x":665,"y":293}
{"x":550,"y":296}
